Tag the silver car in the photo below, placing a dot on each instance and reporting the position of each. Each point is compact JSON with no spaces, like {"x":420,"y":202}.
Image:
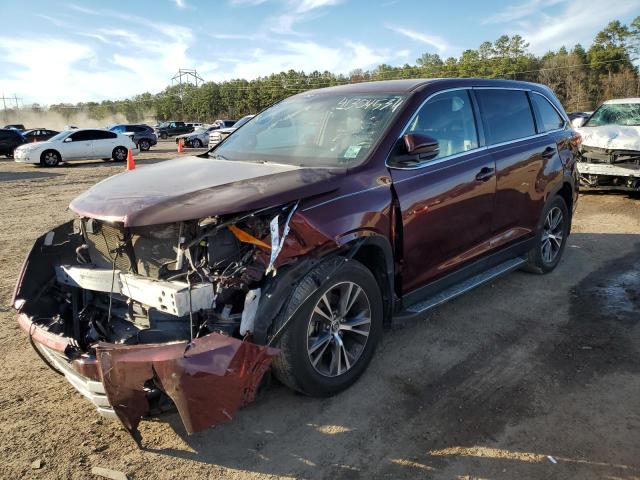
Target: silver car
{"x":216,"y":136}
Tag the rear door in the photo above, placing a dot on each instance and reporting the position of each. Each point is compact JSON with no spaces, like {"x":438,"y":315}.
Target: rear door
{"x":521,"y":155}
{"x":447,"y":202}
{"x":104,"y":143}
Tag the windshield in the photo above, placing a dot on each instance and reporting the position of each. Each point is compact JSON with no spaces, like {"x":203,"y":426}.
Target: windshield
{"x":163,"y":125}
{"x":313,"y":129}
{"x":243,"y":120}
{"x":615,"y":114}
{"x":59,"y":136}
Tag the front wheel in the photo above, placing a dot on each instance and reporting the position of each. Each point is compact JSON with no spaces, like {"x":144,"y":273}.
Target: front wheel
{"x":163,"y":136}
{"x":332,"y":335}
{"x":551,"y":239}
{"x":144,"y":145}
{"x":50,"y":158}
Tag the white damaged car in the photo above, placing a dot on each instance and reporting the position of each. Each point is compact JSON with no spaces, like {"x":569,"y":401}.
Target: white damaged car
{"x":81,"y":144}
{"x":610,"y":148}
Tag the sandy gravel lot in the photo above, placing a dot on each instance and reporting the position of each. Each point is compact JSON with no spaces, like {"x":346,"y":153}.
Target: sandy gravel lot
{"x":487,"y":386}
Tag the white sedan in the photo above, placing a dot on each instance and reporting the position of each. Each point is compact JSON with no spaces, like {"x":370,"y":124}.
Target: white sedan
{"x":82,"y":144}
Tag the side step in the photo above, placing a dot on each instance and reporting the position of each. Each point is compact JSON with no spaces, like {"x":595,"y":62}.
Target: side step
{"x":412,"y":312}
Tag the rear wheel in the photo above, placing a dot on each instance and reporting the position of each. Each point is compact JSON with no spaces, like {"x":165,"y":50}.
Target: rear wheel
{"x":144,"y":145}
{"x":332,"y":335}
{"x":196,"y":143}
{"x":49,"y":158}
{"x":119,"y":154}
{"x":553,"y":230}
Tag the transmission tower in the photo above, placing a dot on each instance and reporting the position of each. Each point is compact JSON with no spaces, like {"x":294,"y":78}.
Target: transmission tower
{"x":183,"y":77}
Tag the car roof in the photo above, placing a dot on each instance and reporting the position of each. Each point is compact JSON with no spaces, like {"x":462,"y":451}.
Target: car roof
{"x":622,"y":100}
{"x":413,"y":85}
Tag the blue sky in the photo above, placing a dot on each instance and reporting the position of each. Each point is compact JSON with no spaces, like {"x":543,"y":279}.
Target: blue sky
{"x":77,"y":51}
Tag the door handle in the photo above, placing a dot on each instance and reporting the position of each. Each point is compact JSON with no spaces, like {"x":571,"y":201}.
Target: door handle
{"x":548,"y":152}
{"x":485,"y":174}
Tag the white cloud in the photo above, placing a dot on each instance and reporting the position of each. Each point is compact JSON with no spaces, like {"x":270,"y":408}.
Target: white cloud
{"x":308,"y":5}
{"x":516,"y":12}
{"x":129,"y":55}
{"x":180,"y":3}
{"x":578,"y":22}
{"x":307,"y":56}
{"x":435,"y":41}
{"x":297,"y":11}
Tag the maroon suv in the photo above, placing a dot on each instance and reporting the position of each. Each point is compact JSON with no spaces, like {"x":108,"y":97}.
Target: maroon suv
{"x":295,"y":241}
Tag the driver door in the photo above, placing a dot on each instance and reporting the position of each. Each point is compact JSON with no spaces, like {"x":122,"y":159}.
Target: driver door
{"x":78,"y":145}
{"x":446,"y":202}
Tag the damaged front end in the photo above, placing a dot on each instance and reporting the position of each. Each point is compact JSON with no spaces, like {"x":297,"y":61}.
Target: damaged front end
{"x":143,"y":318}
{"x":607,"y":168}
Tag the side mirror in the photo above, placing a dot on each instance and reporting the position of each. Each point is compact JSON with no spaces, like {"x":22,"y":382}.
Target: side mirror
{"x":424,"y":146}
{"x":578,"y":122}
{"x":67,"y":140}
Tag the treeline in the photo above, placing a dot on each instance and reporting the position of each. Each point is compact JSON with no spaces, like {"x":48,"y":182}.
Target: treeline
{"x":582,"y":78}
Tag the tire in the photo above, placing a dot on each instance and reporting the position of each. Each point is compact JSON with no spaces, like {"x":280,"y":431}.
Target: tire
{"x":144,"y":145}
{"x":163,"y":136}
{"x":548,"y":249}
{"x":50,"y":158}
{"x":196,"y":143}
{"x":310,"y":337}
{"x":119,"y":154}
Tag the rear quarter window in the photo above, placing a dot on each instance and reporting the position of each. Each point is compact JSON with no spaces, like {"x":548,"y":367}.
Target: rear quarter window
{"x":550,"y":119}
{"x":506,"y":115}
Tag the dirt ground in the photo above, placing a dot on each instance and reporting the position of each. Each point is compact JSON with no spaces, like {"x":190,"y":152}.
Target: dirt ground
{"x":528,"y":377}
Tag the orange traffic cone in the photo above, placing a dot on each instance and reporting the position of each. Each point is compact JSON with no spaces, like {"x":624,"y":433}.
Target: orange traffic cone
{"x":180,"y":145}
{"x":131,"y":165}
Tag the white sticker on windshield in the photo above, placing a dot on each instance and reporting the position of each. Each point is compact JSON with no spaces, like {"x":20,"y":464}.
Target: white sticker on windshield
{"x":352,"y":151}
{"x":364,"y":103}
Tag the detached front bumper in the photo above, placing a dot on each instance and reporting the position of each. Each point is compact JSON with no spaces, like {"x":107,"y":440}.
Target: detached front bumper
{"x":208,"y":379}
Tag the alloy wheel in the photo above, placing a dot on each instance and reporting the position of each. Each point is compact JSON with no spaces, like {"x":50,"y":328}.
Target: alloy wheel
{"x":120,"y":154}
{"x":552,"y":235}
{"x":338,"y":329}
{"x":50,"y":159}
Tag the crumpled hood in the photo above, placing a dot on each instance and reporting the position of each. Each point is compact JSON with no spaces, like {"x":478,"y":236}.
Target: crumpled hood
{"x":192,"y":187}
{"x":614,"y":137}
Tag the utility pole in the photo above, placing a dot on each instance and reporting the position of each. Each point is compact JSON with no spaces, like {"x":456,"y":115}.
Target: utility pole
{"x":183,"y":77}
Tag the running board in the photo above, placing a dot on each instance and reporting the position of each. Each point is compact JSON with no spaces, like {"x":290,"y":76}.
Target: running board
{"x":414,"y":311}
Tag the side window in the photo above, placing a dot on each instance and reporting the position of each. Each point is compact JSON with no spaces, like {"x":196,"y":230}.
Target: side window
{"x":549,"y":117}
{"x":103,"y":135}
{"x":81,"y":136}
{"x":506,"y":115}
{"x":118,"y":129}
{"x":448,"y":117}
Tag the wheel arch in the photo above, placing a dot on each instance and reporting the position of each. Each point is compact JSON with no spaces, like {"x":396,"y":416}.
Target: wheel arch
{"x":370,"y":249}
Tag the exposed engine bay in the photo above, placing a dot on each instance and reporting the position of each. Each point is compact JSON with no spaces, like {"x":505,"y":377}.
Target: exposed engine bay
{"x":164,"y":282}
{"x":602,"y":168}
{"x":140,"y":312}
